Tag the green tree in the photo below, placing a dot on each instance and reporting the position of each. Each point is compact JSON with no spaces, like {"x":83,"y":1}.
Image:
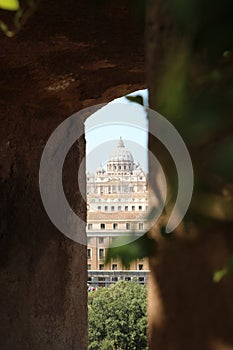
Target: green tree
{"x":117,"y":317}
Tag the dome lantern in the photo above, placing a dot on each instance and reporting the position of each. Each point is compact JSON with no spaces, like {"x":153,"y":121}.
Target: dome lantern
{"x":120,"y":160}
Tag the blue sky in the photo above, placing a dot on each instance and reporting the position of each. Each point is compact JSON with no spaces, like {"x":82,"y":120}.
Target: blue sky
{"x":118,"y":118}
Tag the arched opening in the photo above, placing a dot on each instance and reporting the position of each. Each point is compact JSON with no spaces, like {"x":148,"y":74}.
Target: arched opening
{"x":117,"y":206}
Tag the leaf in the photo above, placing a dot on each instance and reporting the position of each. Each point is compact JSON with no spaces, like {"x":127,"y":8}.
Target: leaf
{"x":219,"y":274}
{"x":10,"y":5}
{"x":128,"y":252}
{"x":137,"y":99}
{"x":5,"y":30}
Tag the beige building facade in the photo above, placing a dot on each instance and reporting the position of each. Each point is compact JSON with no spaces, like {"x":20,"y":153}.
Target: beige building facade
{"x":117,"y":199}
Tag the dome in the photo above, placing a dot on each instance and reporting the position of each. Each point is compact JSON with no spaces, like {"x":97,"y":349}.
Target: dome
{"x":121,"y":153}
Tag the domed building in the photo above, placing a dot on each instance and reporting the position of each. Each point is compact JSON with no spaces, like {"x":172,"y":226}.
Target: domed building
{"x":122,"y":175}
{"x":117,"y":201}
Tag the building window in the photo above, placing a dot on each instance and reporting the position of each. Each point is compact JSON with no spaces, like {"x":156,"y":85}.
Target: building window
{"x":127,"y":226}
{"x":140,"y":267}
{"x":114,"y":279}
{"x":101,"y":240}
{"x":140,"y":208}
{"x":114,"y":266}
{"x":140,"y":225}
{"x":115,"y":226}
{"x":101,"y":266}
{"x":141,"y":279}
{"x":112,"y":208}
{"x":102,"y":226}
{"x":89,"y":226}
{"x":133,"y":208}
{"x":101,"y":281}
{"x":119,"y":208}
{"x":127,"y":278}
{"x":126,"y":208}
{"x":89,"y":266}
{"x":106,"y":208}
{"x":89,"y":253}
{"x":101,"y":253}
{"x":99,"y":208}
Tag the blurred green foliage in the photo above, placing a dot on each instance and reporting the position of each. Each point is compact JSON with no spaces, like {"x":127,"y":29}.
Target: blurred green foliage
{"x":195,"y":94}
{"x":137,"y":99}
{"x":128,"y":248}
{"x":10,"y":5}
{"x":218,"y":275}
{"x":22,"y":11}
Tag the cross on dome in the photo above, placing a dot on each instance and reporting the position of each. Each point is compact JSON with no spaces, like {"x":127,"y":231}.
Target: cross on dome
{"x":120,"y":143}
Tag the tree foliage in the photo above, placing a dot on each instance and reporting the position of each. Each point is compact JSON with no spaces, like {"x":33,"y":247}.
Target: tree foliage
{"x":117,"y":317}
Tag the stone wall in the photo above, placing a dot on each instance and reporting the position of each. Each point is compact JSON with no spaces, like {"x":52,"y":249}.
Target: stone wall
{"x":68,"y":56}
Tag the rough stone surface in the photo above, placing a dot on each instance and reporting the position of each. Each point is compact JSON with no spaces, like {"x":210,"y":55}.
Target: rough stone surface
{"x":68,"y":56}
